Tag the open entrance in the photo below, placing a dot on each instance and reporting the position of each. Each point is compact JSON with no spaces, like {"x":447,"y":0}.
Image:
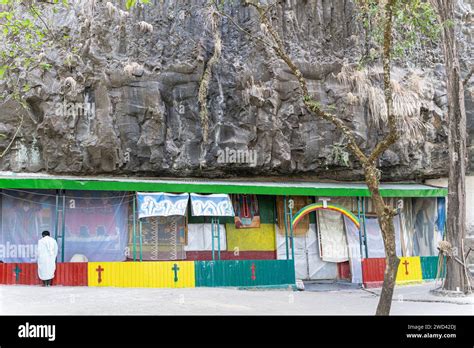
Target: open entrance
{"x":321,"y":252}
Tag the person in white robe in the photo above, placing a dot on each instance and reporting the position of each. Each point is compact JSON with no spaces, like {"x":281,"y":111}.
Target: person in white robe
{"x":47,"y":253}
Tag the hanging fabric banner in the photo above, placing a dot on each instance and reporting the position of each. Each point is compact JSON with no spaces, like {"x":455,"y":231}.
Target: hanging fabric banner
{"x":200,"y":237}
{"x":211,"y":205}
{"x":163,"y":238}
{"x":332,"y":237}
{"x":355,"y":258}
{"x":441,"y":218}
{"x":425,"y":212}
{"x":96,"y":225}
{"x":25,"y":214}
{"x":161,"y":204}
{"x":246,"y":210}
{"x":374,"y":237}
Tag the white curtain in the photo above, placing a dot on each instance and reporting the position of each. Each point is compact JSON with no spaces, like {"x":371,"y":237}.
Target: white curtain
{"x":332,"y":238}
{"x":200,"y":237}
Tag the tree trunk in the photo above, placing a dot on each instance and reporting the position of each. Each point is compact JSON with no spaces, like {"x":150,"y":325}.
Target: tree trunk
{"x":456,"y":219}
{"x":385,"y":217}
{"x":384,"y":213}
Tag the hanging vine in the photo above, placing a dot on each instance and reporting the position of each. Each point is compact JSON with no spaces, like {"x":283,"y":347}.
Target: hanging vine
{"x":207,"y":75}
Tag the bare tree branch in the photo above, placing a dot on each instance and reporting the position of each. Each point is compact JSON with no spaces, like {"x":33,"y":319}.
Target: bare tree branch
{"x":13,"y":138}
{"x":239,"y":27}
{"x":309,"y":101}
{"x":468,"y":77}
{"x":392,"y":135}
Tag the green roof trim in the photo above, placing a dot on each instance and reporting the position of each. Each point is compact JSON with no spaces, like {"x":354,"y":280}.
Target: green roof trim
{"x":297,"y":188}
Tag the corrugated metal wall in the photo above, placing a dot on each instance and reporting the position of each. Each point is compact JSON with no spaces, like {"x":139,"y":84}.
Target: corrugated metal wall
{"x":68,"y":274}
{"x":19,"y":273}
{"x":71,"y":274}
{"x":6,"y":273}
{"x":409,"y":270}
{"x":429,"y":267}
{"x":245,"y":273}
{"x":344,"y":270}
{"x":168,"y":274}
{"x":372,"y":271}
{"x":202,"y":273}
{"x":28,"y":275}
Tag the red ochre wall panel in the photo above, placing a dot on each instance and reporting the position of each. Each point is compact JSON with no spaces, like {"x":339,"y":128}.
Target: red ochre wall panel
{"x":230,"y":255}
{"x":19,"y":273}
{"x":67,"y":274}
{"x":344,"y":270}
{"x":71,"y":274}
{"x":6,"y":273}
{"x":28,"y":274}
{"x":373,"y":271}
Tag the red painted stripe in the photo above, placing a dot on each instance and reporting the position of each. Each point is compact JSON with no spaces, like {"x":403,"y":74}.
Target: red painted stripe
{"x":230,"y":255}
{"x":71,"y":274}
{"x":344,"y":270}
{"x":6,"y":273}
{"x":67,"y":274}
{"x":28,"y":274}
{"x":373,"y":271}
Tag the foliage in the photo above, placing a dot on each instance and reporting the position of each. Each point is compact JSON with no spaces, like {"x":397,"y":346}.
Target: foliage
{"x":25,"y":36}
{"x":339,"y":155}
{"x":414,"y":21}
{"x":131,"y":3}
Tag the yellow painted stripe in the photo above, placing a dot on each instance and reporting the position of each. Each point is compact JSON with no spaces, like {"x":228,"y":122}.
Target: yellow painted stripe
{"x":409,"y":270}
{"x":142,"y":274}
{"x":250,"y":239}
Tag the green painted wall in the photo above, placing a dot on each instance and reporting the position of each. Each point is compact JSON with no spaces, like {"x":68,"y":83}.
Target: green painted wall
{"x":240,"y":273}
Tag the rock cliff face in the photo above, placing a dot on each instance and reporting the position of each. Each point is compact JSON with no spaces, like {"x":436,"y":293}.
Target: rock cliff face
{"x":135,"y":95}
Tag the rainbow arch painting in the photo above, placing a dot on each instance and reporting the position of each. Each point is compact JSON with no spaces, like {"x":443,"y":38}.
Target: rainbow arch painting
{"x":320,"y":206}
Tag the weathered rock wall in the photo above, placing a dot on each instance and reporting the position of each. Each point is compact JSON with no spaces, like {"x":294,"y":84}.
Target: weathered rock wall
{"x":145,"y":116}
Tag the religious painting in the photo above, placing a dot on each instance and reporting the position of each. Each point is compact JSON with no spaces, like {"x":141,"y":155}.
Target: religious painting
{"x":96,"y":225}
{"x":25,"y":214}
{"x":246,"y":211}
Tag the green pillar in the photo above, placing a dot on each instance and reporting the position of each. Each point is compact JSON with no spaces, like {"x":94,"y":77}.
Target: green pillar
{"x":134,"y":229}
{"x":365,"y":228}
{"x":286,"y":228}
{"x":218,"y":239}
{"x":360,"y":232}
{"x":63,"y":227}
{"x":56,"y":214}
{"x":292,"y":236}
{"x":140,"y":237}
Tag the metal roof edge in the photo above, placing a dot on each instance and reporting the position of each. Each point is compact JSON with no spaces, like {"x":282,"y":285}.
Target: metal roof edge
{"x":335,"y":189}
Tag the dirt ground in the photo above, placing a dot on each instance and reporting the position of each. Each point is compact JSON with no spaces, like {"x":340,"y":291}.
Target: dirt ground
{"x":408,"y":300}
